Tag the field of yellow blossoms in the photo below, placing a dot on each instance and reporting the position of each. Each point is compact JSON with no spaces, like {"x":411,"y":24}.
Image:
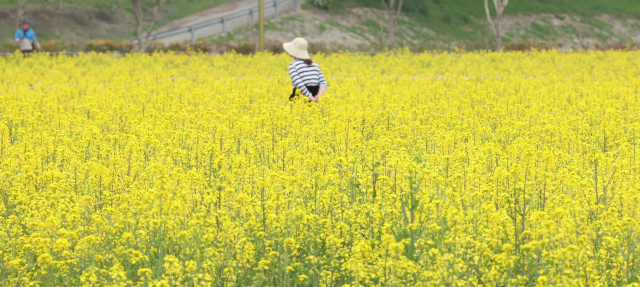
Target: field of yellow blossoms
{"x":512,"y":169}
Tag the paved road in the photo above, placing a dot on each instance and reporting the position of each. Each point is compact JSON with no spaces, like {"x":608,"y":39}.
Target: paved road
{"x":225,"y":9}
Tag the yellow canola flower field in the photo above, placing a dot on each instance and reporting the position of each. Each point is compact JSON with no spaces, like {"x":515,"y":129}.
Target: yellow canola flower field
{"x":414,"y":170}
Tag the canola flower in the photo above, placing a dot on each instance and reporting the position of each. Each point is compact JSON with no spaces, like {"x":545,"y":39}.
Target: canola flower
{"x":415,"y":170}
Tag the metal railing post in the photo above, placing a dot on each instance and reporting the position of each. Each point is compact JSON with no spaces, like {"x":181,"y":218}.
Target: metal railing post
{"x":193,"y":34}
{"x":296,"y":3}
{"x":251,"y":12}
{"x":224,"y":26}
{"x":276,"y":3}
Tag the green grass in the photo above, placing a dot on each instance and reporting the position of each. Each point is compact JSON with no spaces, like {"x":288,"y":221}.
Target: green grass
{"x":475,"y":8}
{"x":372,"y":24}
{"x":348,"y":29}
{"x":321,"y":28}
{"x":542,"y":31}
{"x":373,"y":28}
{"x":569,"y":29}
{"x":598,"y":24}
{"x":295,"y":17}
{"x":222,"y":38}
{"x":271,"y":26}
{"x":333,"y":23}
{"x":545,"y":20}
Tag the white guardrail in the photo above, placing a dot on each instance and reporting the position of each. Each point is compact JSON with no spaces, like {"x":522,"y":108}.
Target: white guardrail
{"x":253,"y":12}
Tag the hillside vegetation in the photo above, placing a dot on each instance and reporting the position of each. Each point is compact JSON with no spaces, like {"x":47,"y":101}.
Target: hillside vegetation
{"x":462,"y":19}
{"x":79,"y":20}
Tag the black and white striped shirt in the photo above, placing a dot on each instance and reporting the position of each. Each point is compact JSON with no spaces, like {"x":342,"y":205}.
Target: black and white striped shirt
{"x":303,"y":75}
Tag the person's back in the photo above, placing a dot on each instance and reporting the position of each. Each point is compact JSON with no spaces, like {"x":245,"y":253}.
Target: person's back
{"x":306,"y":75}
{"x":26,"y":38}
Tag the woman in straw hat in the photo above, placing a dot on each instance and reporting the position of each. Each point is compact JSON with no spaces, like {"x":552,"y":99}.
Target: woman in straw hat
{"x":306,"y":75}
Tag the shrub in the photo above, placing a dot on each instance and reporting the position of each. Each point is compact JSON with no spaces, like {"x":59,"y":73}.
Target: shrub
{"x":479,"y":46}
{"x":324,"y":4}
{"x":71,"y":46}
{"x":101,"y":46}
{"x":275,"y":48}
{"x":176,"y":46}
{"x":9,"y":46}
{"x":517,"y":46}
{"x":245,"y":48}
{"x":52,"y":46}
{"x":544,"y":45}
{"x":200,"y":46}
{"x":154,"y":46}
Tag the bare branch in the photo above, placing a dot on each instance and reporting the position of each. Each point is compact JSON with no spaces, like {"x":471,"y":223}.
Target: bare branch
{"x":399,"y":9}
{"x":385,"y":5}
{"x":37,"y":6}
{"x":126,"y":15}
{"x":154,"y":16}
{"x":22,"y":8}
{"x":137,"y":11}
{"x":502,"y":5}
{"x":486,"y":8}
{"x":496,"y":24}
{"x":393,"y":10}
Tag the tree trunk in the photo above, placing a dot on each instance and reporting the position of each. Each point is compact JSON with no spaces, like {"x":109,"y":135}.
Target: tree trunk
{"x":142,"y":43}
{"x":496,"y":26}
{"x":380,"y":34}
{"x":138,"y":23}
{"x":391,"y":26}
{"x":137,"y":11}
{"x":392,"y":36}
{"x":393,"y":16}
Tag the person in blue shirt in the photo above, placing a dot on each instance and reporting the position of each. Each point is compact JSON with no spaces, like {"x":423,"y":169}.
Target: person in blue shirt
{"x":26,"y":38}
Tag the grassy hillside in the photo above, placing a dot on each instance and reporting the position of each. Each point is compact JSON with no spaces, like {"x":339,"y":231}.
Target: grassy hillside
{"x":85,"y":19}
{"x":476,"y":8}
{"x":464,"y":19}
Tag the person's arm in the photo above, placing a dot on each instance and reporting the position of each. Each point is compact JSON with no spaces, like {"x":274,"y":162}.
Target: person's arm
{"x":35,"y":40}
{"x":297,"y":82}
{"x":17,"y":36}
{"x":323,"y":84}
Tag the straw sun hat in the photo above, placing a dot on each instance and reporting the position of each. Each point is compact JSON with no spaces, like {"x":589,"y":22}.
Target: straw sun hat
{"x":297,"y":48}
